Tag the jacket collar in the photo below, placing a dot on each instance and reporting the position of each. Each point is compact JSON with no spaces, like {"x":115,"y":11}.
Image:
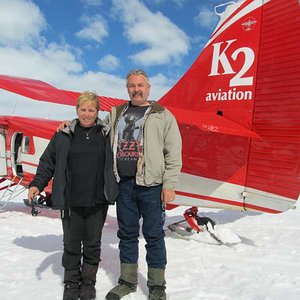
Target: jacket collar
{"x":71,"y":127}
{"x":155,"y":107}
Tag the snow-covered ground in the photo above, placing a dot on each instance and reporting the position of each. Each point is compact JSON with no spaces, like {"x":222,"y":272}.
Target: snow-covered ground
{"x":265,"y":265}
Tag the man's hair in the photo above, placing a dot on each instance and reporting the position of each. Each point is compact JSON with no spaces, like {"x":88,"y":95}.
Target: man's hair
{"x":88,"y":96}
{"x":137,"y":72}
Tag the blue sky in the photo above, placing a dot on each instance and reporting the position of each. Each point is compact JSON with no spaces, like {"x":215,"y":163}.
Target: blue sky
{"x":92,"y":44}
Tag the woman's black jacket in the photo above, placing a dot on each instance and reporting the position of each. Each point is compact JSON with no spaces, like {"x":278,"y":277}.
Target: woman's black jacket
{"x":53,"y":163}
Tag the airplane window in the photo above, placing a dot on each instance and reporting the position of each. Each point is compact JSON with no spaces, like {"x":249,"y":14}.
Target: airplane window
{"x":25,"y":144}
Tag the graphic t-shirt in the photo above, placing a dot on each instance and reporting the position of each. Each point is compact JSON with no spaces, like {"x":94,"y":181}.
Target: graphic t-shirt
{"x":129,"y":138}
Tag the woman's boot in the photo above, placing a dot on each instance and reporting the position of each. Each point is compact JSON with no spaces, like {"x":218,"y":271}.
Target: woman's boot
{"x":88,"y":275}
{"x":72,"y":281}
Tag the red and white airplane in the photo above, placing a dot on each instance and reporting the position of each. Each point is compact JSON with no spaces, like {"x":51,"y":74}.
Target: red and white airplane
{"x":238,"y":109}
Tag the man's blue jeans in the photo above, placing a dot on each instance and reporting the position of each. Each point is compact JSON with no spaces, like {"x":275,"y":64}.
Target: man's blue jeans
{"x":133,"y":203}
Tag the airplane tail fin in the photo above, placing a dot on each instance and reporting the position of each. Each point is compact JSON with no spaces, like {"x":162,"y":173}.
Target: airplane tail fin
{"x":275,"y":160}
{"x":248,"y":74}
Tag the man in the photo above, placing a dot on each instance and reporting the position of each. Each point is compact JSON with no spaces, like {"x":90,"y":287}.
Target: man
{"x":147,"y":164}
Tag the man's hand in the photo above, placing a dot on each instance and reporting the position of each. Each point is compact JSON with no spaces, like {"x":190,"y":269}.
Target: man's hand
{"x":32,"y":192}
{"x":167,"y":195}
{"x":63,"y":125}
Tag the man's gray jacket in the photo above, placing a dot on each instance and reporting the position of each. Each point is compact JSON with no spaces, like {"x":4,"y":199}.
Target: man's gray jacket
{"x":160,"y":162}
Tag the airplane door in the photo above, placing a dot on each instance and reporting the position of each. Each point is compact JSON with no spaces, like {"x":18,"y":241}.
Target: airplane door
{"x":3,"y":166}
{"x":16,"y":150}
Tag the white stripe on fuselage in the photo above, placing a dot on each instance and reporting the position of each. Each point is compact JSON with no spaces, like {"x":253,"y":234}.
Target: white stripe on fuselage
{"x":220,"y":191}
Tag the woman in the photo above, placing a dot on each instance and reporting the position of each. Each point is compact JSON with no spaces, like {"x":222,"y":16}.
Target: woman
{"x":79,"y":160}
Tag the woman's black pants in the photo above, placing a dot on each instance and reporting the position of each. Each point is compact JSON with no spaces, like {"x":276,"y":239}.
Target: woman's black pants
{"x":82,"y":231}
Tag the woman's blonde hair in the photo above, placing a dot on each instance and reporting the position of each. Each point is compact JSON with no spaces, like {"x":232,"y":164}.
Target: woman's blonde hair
{"x":88,"y":96}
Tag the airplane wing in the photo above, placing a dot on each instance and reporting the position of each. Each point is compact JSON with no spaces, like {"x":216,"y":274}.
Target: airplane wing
{"x":31,"y":126}
{"x":42,"y":91}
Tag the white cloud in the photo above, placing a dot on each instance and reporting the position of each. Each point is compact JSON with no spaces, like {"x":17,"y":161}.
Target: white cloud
{"x":58,"y":66}
{"x":51,"y":63}
{"x":92,"y":2}
{"x":179,"y":3}
{"x":206,"y":18}
{"x":113,"y":86}
{"x":100,"y":82}
{"x":109,"y":62}
{"x":95,"y":28}
{"x":164,"y":41}
{"x":160,"y":84}
{"x":21,"y":22}
{"x":26,"y":53}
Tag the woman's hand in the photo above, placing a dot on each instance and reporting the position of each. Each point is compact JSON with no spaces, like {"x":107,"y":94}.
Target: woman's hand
{"x":32,"y":192}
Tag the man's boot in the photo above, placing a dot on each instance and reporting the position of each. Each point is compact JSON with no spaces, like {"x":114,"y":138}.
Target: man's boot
{"x":127,"y":282}
{"x":156,"y":284}
{"x":88,"y":275}
{"x":72,"y":281}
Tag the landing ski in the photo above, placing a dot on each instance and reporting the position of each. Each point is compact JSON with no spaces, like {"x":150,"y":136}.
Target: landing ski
{"x":210,"y":234}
